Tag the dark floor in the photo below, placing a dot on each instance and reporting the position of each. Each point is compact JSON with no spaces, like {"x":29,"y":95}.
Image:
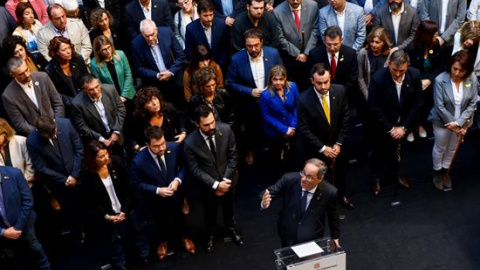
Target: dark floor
{"x":429,"y":229}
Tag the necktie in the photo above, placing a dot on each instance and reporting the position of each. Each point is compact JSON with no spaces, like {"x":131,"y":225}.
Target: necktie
{"x":297,"y":19}
{"x":333,"y":67}
{"x":162,"y":166}
{"x":303,"y":201}
{"x":325,"y":107}
{"x":212,"y":147}
{"x":56,"y":145}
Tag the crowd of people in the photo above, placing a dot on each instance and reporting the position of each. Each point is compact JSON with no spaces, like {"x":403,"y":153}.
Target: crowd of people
{"x":111,"y":109}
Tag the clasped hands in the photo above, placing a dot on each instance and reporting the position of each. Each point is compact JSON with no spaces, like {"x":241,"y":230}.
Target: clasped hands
{"x":223,"y":187}
{"x":397,"y":133}
{"x":168,"y":191}
{"x":12,"y":233}
{"x":117,"y":218}
{"x":113,"y":138}
{"x":453,"y":126}
{"x":332,"y":152}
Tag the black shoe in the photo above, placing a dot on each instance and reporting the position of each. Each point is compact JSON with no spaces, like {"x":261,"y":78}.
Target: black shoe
{"x":237,"y":238}
{"x":347,"y":203}
{"x":210,"y":243}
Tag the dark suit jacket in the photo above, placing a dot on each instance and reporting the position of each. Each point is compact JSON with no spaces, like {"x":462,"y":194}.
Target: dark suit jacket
{"x":293,"y":227}
{"x":54,"y":166}
{"x":347,"y":66}
{"x":383,"y":99}
{"x":268,"y":24}
{"x":201,"y":163}
{"x":17,"y":199}
{"x":87,"y":120}
{"x":238,"y":6}
{"x":161,"y":15}
{"x":21,"y":109}
{"x":220,"y":49}
{"x":172,"y":54}
{"x":315,"y":132}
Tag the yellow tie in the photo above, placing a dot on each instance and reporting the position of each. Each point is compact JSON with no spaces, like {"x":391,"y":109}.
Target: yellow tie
{"x":325,"y":107}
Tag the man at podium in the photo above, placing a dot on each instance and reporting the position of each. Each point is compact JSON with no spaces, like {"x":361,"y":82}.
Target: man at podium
{"x":307,"y":200}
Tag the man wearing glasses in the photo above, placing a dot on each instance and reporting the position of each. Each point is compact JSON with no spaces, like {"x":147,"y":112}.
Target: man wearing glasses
{"x":306,"y":200}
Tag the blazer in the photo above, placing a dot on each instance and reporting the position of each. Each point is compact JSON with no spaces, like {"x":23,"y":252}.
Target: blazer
{"x":432,"y":10}
{"x":238,"y":7}
{"x":376,"y":4}
{"x":473,"y":13}
{"x":203,"y":165}
{"x":124,"y":74}
{"x":181,"y":24}
{"x":354,"y":31}
{"x":220,"y":41}
{"x":303,"y":41}
{"x":443,"y":110}
{"x":387,"y":109}
{"x":87,"y":120}
{"x":19,"y":157}
{"x":268,"y":24}
{"x":22,"y":111}
{"x":17,"y":199}
{"x":314,"y":130}
{"x":78,"y":35}
{"x":295,"y":228}
{"x":94,"y":33}
{"x":364,"y":71}
{"x":221,"y":105}
{"x":56,"y":166}
{"x":409,"y":23}
{"x":347,"y":66}
{"x":172,"y":54}
{"x":161,"y":15}
{"x":279,"y":115}
{"x":437,"y":57}
{"x":7,"y":23}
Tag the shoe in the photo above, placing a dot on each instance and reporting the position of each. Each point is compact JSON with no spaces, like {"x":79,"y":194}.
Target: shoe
{"x":55,"y":204}
{"x":448,"y":183}
{"x":347,"y":203}
{"x":376,"y":187}
{"x":237,"y":238}
{"x":438,"y":179}
{"x":186,"y":207}
{"x":189,"y":245}
{"x":403,"y":181}
{"x":210,"y":243}
{"x":162,"y":250}
{"x":410,"y":137}
{"x":421,"y":132}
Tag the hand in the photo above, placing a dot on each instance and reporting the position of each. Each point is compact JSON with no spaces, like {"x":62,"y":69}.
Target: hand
{"x":337,"y":148}
{"x":369,"y":19}
{"x":461,"y":131}
{"x":114,"y":138}
{"x":397,"y":133}
{"x":117,"y":218}
{"x":12,"y":233}
{"x":393,"y":49}
{"x":301,"y":57}
{"x":123,"y":99}
{"x":173,"y":185}
{"x":229,"y":21}
{"x":440,"y":41}
{"x":426,"y":83}
{"x":290,"y":132}
{"x":452,"y":126}
{"x":107,"y":143}
{"x":269,"y":8}
{"x":256,"y":92}
{"x":468,"y":43}
{"x":71,"y":181}
{"x":329,"y":152}
{"x":224,"y":185}
{"x":164,"y":76}
{"x":266,"y":199}
{"x":165,"y":192}
{"x":180,"y":137}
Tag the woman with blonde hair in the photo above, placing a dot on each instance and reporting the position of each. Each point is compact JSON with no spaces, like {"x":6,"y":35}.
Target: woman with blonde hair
{"x":467,"y":39}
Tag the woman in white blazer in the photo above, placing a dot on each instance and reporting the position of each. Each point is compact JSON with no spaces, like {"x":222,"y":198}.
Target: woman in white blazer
{"x":455,"y":96}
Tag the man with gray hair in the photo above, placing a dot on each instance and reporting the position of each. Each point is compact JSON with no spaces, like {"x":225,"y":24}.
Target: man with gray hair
{"x":306,"y":200}
{"x":394,"y":97}
{"x":29,"y":96}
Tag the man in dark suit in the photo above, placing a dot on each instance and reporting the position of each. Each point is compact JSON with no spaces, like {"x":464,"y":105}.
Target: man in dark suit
{"x":17,"y":220}
{"x":139,"y":10}
{"x":157,"y":172}
{"x":57,"y":155}
{"x":212,"y":158}
{"x":228,"y":9}
{"x":159,"y":60}
{"x":323,"y":125}
{"x":98,"y":112}
{"x":209,"y":31}
{"x":395,"y":98}
{"x":29,"y":96}
{"x":306,"y":200}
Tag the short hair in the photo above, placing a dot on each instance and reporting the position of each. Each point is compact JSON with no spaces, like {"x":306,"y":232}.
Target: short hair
{"x":54,"y":46}
{"x":153,"y":132}
{"x":87,"y":78}
{"x":319,"y":69}
{"x":203,"y":76}
{"x":20,"y":9}
{"x":277,"y":70}
{"x":204,"y":5}
{"x":465,"y":61}
{"x":96,"y":16}
{"x":399,"y":58}
{"x":332,"y":32}
{"x":91,"y":151}
{"x":249,"y":2}
{"x":202,"y":111}
{"x":51,"y":7}
{"x":380,"y":33}
{"x":45,"y":125}
{"x":14,"y":63}
{"x":253,"y":33}
{"x":100,"y":41}
{"x":200,"y":53}
{"x":144,"y":95}
{"x":6,"y":128}
{"x":146,"y":23}
{"x":10,"y":44}
{"x":322,"y":167}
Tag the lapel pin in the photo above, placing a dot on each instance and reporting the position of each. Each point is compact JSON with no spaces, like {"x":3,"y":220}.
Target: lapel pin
{"x":168,"y":151}
{"x":154,"y":6}
{"x":37,"y":83}
{"x":6,"y":177}
{"x":266,"y":59}
{"x":341,"y":58}
{"x":333,"y":97}
{"x":408,"y":85}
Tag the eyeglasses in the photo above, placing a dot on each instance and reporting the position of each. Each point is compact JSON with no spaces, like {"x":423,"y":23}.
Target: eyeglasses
{"x":104,"y":50}
{"x":308,"y":177}
{"x":182,"y":4}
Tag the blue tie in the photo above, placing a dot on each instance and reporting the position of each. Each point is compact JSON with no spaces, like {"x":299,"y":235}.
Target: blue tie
{"x":303,"y":201}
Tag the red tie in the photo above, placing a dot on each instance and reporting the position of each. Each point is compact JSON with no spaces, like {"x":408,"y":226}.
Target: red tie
{"x":297,"y":19}
{"x":333,"y":67}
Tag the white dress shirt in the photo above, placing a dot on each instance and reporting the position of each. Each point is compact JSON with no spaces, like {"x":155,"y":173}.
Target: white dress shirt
{"x":396,"y":21}
{"x":258,"y":70}
{"x":341,"y":19}
{"x":116,"y":205}
{"x":147,"y":11}
{"x":443,"y":25}
{"x":457,"y":98}
{"x":30,"y":91}
{"x":158,"y":58}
